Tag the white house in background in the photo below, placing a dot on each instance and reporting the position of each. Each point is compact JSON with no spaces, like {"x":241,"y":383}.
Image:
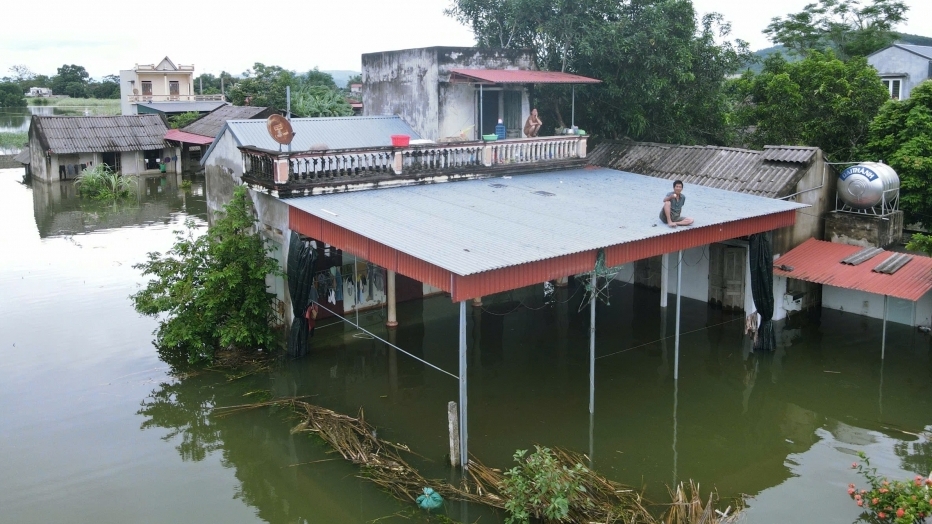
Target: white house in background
{"x":62,"y":146}
{"x":902,"y":67}
{"x":163,"y":88}
{"x":39,"y":92}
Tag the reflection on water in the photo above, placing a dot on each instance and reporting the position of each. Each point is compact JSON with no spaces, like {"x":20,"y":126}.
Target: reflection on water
{"x":158,"y":199}
{"x":94,"y":430}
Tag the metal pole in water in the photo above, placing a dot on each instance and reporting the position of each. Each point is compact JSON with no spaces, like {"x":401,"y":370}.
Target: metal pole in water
{"x":676,"y":341}
{"x":883,"y":340}
{"x":594,"y":284}
{"x":464,"y":453}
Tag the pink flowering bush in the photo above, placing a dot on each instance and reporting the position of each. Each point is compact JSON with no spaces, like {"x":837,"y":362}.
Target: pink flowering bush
{"x":899,"y":501}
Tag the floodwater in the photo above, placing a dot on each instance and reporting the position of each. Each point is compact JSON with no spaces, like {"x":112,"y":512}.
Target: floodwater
{"x":16,"y":120}
{"x":93,"y":428}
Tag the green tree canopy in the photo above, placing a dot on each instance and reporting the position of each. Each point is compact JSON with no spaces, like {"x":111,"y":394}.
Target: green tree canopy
{"x":182,"y":119}
{"x":313,"y":93}
{"x":819,"y":101}
{"x":11,"y":95}
{"x":107,"y":88}
{"x":901,"y":137}
{"x":212,"y":85}
{"x":318,"y":101}
{"x":663,"y":71}
{"x":844,"y":26}
{"x":209,"y":290}
{"x":71,"y":80}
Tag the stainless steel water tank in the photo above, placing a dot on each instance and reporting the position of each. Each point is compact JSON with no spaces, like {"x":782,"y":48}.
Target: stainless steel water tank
{"x":863,"y":186}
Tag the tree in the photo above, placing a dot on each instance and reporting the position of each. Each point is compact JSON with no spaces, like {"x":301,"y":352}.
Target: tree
{"x":663,"y":72}
{"x":71,"y":80}
{"x":263,"y":86}
{"x":107,"y":88}
{"x":843,"y":26}
{"x":819,"y":101}
{"x":11,"y":95}
{"x":318,"y":101}
{"x":901,"y":137}
{"x":316,"y":77}
{"x":211,"y":288}
{"x":182,"y":119}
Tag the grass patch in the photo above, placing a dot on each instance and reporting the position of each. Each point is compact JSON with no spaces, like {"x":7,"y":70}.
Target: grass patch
{"x":13,"y":140}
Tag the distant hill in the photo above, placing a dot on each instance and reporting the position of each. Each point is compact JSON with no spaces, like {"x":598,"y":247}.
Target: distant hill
{"x":340,"y":76}
{"x":905,"y":38}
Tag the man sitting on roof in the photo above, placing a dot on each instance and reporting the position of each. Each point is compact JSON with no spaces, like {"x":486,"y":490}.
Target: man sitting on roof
{"x":673,"y":205}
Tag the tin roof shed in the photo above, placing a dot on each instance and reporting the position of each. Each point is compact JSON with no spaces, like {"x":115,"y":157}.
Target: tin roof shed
{"x":98,"y":134}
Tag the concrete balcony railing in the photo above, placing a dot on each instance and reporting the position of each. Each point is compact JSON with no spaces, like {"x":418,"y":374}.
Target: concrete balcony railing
{"x":138,"y":99}
{"x":311,"y":172}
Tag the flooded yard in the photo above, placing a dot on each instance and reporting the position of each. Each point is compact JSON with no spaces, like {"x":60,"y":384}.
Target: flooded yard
{"x":93,"y":428}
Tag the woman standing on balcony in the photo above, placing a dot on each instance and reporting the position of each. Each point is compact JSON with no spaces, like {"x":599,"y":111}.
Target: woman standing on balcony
{"x":532,"y":126}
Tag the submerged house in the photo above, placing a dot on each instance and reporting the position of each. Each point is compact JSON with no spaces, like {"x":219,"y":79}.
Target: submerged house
{"x":63,"y":146}
{"x":718,"y":272}
{"x":196,"y":137}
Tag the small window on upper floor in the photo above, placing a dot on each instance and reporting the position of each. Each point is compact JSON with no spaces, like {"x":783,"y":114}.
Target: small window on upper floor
{"x":894,"y":87}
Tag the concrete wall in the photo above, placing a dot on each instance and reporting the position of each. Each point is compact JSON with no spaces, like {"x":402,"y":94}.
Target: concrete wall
{"x":126,"y":89}
{"x":817,"y":189}
{"x":863,"y":230}
{"x":414,"y":84}
{"x":871,"y":305}
{"x":894,"y":62}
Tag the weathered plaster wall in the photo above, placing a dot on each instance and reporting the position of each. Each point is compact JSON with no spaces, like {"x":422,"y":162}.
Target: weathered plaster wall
{"x":863,"y":230}
{"x":403,"y":83}
{"x":896,"y":62}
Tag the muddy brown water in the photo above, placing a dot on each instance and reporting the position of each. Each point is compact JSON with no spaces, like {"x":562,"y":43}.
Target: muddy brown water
{"x":94,"y":429}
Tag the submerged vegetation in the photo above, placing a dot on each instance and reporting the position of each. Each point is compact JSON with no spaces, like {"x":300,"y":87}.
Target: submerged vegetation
{"x":102,"y":183}
{"x":550,"y":484}
{"x":209,"y":289}
{"x":13,"y":140}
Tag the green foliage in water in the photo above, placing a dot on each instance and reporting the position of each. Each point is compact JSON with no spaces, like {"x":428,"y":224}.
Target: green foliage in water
{"x":920,"y":242}
{"x":182,"y":119}
{"x":898,"y":501}
{"x":103,"y":184}
{"x":541,"y":487}
{"x":186,"y":185}
{"x":10,"y":140}
{"x":209,"y":290}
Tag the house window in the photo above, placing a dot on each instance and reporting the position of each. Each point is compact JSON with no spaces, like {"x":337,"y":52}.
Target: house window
{"x":152,"y":159}
{"x":173,"y":89}
{"x":146,"y":88}
{"x":894,"y":87}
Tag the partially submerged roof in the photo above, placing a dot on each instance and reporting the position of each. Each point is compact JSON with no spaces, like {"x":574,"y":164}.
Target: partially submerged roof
{"x":517,"y":76}
{"x":773,"y":172}
{"x":343,"y":132}
{"x":876,"y":272}
{"x":525,"y":229}
{"x":189,"y":138}
{"x":23,"y":157}
{"x":99,"y":134}
{"x":212,"y":123}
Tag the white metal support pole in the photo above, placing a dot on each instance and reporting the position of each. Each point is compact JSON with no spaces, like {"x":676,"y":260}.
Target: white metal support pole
{"x":573,"y":114}
{"x":883,"y":340}
{"x":676,"y":340}
{"x":464,"y":453}
{"x":481,"y":113}
{"x":390,"y":298}
{"x":664,"y":278}
{"x":595,"y":285}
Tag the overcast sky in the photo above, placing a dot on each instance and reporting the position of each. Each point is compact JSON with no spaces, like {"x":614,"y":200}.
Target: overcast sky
{"x":296,"y":34}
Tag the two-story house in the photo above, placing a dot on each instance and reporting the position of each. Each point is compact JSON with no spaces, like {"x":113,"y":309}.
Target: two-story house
{"x":164,"y":88}
{"x":902,"y":67}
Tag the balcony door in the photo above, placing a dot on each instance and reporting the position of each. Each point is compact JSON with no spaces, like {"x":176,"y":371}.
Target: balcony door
{"x":146,"y":88}
{"x":173,"y":88}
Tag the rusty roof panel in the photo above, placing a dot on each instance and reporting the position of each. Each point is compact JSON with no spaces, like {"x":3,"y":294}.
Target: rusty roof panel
{"x":100,"y":134}
{"x":769,"y":173}
{"x":819,"y":262}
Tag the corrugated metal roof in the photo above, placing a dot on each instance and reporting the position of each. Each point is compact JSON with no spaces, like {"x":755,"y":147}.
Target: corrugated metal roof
{"x":923,"y":50}
{"x":799,"y":154}
{"x":732,"y":169}
{"x":100,"y":134}
{"x":23,"y":157}
{"x":211,"y":123}
{"x":346,"y":132}
{"x":472,"y":226}
{"x":190,"y":138}
{"x":820,"y":262}
{"x":201,"y":106}
{"x":517,"y":76}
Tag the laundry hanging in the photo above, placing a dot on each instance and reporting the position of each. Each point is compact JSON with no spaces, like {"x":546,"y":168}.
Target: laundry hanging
{"x":301,"y":261}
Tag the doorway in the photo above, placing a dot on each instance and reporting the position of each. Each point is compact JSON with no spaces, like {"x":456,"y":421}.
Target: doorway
{"x":112,"y":160}
{"x":727,"y":269}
